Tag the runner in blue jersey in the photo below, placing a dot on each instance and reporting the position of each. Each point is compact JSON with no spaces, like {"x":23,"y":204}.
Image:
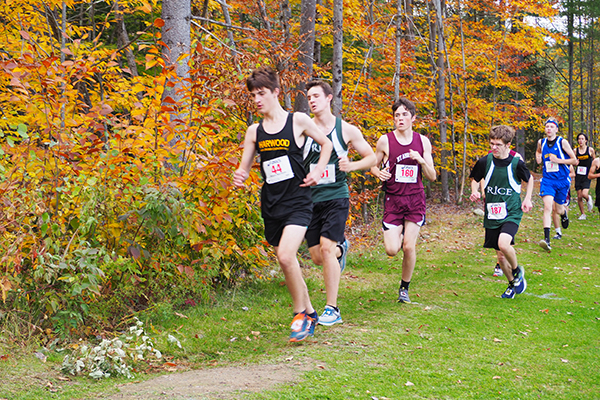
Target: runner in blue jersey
{"x":556,"y":155}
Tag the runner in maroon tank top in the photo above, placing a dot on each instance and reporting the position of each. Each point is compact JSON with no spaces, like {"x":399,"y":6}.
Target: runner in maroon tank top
{"x":403,"y":156}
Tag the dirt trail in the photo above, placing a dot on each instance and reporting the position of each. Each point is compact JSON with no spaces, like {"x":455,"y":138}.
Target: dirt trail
{"x":214,"y":383}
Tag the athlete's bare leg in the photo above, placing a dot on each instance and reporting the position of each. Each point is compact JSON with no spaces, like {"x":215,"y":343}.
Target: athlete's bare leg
{"x":326,"y":254}
{"x":286,"y":252}
{"x":409,"y":247}
{"x":507,"y":256}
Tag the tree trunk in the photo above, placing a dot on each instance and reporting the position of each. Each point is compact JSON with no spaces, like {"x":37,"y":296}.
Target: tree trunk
{"x":123,"y":40}
{"x":591,"y":86}
{"x":263,"y":15}
{"x":441,"y":97}
{"x":337,"y":61}
{"x":465,"y":105}
{"x":286,"y":16}
{"x":307,"y":48}
{"x":570,"y":21}
{"x":227,"y":17}
{"x":398,"y":49}
{"x":176,"y":35}
{"x":581,"y":87}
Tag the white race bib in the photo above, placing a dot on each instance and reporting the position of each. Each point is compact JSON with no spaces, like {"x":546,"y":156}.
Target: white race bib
{"x":551,"y":166}
{"x":496,"y":210}
{"x":406,"y":173}
{"x":328,"y":175}
{"x":582,"y":170}
{"x":278,"y":169}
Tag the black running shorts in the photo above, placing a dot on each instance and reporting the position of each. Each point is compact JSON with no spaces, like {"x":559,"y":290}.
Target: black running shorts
{"x":274,"y":227}
{"x":492,"y":235}
{"x":328,"y":220}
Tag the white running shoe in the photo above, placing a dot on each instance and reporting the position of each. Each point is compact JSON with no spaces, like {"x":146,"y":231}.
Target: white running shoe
{"x":582,"y":217}
{"x":590,"y":203}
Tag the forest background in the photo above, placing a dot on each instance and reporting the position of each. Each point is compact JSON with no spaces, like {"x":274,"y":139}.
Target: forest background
{"x":121,"y":124}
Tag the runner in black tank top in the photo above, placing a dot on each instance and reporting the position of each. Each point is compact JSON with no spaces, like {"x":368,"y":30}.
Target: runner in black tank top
{"x":286,"y":202}
{"x":283,"y":194}
{"x":585,"y":155}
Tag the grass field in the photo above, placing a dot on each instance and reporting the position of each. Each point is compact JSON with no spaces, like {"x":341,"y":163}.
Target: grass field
{"x":457,"y":340}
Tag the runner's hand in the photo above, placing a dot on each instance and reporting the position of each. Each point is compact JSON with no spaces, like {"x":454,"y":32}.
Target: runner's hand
{"x":239,"y":177}
{"x":384,"y":174}
{"x":344,"y":164}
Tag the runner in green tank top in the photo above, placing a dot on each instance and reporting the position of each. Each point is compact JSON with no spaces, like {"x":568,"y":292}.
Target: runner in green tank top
{"x":502,"y":174}
{"x":325,"y":235}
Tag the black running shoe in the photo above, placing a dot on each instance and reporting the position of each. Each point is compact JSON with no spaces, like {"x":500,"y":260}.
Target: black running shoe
{"x":564,"y":220}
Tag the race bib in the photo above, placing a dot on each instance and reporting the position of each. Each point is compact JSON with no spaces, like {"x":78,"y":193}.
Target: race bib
{"x":328,"y":175}
{"x":551,"y":166}
{"x":582,"y":171}
{"x":406,"y":173}
{"x":496,"y":210}
{"x":278,"y":169}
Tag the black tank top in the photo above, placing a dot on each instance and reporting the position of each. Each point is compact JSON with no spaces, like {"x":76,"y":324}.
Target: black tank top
{"x":585,"y":159}
{"x":282,"y":169}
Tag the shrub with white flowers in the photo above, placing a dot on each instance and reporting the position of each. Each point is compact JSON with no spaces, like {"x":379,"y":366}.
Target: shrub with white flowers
{"x":113,"y":356}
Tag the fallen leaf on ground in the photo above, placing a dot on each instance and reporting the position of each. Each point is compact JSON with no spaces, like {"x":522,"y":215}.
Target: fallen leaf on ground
{"x":409,"y":383}
{"x":564,"y":360}
{"x":496,"y":377}
{"x":181,"y":315}
{"x":497,"y":340}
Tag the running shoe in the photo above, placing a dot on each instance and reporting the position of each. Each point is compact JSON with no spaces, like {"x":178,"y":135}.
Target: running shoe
{"x":330,"y":316}
{"x":403,"y":296}
{"x":545,"y":245}
{"x":582,"y":217}
{"x":313,"y":325}
{"x":302,"y":326}
{"x":519,"y":283}
{"x":497,"y":270}
{"x":590,"y":203}
{"x":564,"y":220}
{"x":342,"y":260}
{"x":557,"y":236}
{"x":509,"y":293}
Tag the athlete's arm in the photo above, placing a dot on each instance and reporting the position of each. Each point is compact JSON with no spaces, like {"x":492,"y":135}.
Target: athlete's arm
{"x":381,"y":154}
{"x":426,"y":160}
{"x":475,"y":195}
{"x":306,"y":126}
{"x":352,"y":135}
{"x":594,"y":168}
{"x":572,"y":160}
{"x":243,"y":171}
{"x":538,"y":152}
{"x":592,"y":153}
{"x":527,"y":205}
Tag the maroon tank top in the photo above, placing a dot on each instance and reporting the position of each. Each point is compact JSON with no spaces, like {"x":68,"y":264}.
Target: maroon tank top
{"x":406,"y":173}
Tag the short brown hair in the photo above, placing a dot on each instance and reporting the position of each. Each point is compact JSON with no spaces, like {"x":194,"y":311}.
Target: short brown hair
{"x":322,"y":84}
{"x":409,"y":105}
{"x":263,"y":77}
{"x":503,"y":132}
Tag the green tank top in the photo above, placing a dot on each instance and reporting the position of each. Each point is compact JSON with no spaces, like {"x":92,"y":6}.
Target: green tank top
{"x":333,"y":183}
{"x":502,"y":194}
